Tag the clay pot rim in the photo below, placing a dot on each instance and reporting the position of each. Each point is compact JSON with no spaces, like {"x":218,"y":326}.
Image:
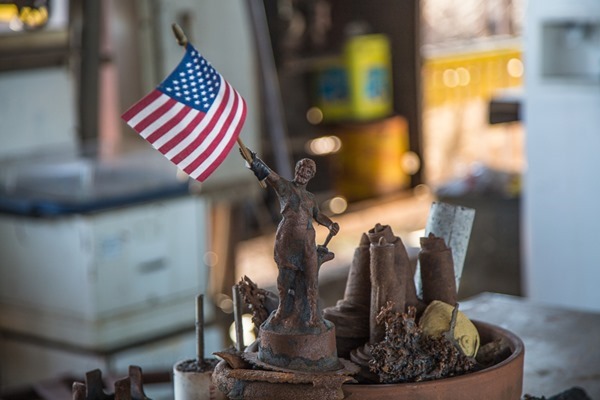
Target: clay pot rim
{"x":517,"y":350}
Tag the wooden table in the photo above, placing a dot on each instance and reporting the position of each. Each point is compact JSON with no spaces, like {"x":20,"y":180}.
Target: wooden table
{"x":562,"y":346}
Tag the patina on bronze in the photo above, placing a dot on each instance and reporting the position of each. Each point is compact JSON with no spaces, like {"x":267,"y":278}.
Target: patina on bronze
{"x":290,"y":336}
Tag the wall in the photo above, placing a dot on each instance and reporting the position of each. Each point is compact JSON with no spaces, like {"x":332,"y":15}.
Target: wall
{"x":561,"y":186}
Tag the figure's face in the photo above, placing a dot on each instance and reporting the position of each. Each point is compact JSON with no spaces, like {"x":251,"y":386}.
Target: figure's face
{"x":305,"y":170}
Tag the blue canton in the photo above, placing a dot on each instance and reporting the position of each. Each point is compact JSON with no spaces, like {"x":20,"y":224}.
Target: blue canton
{"x":194,"y":82}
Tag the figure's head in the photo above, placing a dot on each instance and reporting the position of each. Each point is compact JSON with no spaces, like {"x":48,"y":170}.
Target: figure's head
{"x":305,"y":170}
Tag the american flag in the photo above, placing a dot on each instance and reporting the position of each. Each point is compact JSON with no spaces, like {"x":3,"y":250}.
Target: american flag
{"x":193,"y":117}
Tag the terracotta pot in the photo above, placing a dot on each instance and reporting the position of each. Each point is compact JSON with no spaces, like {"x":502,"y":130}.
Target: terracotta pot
{"x":503,"y":381}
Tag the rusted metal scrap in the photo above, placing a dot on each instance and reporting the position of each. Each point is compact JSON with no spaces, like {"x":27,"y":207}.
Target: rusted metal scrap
{"x":128,"y":388}
{"x":407,"y":355}
{"x":261,"y":384}
{"x":261,"y":302}
{"x":574,"y":393}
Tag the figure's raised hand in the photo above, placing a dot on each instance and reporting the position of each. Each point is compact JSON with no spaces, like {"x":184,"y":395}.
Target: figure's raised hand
{"x":334,"y":228}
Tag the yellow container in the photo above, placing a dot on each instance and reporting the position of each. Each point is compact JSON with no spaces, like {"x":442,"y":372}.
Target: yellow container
{"x":358,"y":84}
{"x":368,"y":61}
{"x":369,"y":163}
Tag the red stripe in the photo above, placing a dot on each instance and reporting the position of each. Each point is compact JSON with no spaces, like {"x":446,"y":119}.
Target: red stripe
{"x":202,"y":177}
{"x":167,"y":126}
{"x":140,"y":105}
{"x":154,"y":115}
{"x":211,"y":148}
{"x":205,"y":132}
{"x":165,"y":148}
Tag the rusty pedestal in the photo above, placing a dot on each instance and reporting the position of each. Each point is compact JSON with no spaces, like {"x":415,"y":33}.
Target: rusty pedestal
{"x":308,"y":352}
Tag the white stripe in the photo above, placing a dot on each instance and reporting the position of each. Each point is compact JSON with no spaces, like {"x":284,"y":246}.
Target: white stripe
{"x":212,"y":135}
{"x":162,"y":120}
{"x":201,"y":126}
{"x":226,"y":140}
{"x":144,"y":112}
{"x":174,"y":131}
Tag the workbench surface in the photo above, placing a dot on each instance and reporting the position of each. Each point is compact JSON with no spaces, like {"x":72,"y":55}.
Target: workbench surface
{"x":562,"y":346}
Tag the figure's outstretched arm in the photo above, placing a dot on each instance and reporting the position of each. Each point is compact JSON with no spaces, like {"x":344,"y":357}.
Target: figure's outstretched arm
{"x":261,"y":170}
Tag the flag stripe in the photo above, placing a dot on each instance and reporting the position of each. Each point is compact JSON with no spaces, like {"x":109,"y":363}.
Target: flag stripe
{"x":201,"y":144}
{"x":179,"y":120}
{"x":200,"y":130}
{"x":139,"y":106}
{"x":177,"y":134}
{"x":199,"y":140}
{"x":217,"y":158}
{"x":150,"y":108}
{"x":162,"y":115}
{"x":222,"y":134}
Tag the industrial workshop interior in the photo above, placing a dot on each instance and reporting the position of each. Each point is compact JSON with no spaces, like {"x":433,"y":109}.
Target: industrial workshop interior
{"x":119,"y":259}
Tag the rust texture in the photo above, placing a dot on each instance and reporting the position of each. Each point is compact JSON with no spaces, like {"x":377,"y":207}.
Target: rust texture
{"x":406,"y":355}
{"x":502,"y":382}
{"x":437,"y":270}
{"x":127,"y":388}
{"x":272,"y":385}
{"x":392,"y":280}
{"x":296,"y":334}
{"x":261,"y":302}
{"x":402,"y":265}
{"x":295,"y":250}
{"x":351,"y":314}
{"x":300,"y":352}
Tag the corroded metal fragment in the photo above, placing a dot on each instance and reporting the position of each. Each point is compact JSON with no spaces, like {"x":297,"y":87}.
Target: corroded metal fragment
{"x":274,"y":385}
{"x":437,"y":270}
{"x":407,"y":355}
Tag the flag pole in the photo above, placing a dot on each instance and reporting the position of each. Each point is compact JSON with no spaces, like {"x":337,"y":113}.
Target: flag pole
{"x":182,"y":40}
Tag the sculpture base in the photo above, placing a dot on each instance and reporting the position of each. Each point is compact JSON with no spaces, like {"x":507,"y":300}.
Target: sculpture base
{"x":305,"y":352}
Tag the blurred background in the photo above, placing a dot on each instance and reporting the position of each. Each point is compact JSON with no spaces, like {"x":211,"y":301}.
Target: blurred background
{"x":104,"y":245}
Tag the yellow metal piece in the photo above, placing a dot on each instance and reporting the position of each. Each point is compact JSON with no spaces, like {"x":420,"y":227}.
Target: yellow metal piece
{"x":436,"y":321}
